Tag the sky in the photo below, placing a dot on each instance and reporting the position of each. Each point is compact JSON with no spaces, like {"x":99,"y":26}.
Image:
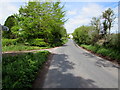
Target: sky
{"x":78,"y":12}
{"x":81,"y":13}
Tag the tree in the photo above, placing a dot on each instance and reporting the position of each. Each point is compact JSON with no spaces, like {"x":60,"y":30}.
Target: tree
{"x":81,"y":35}
{"x":10,"y":22}
{"x":95,"y":22}
{"x":109,"y":18}
{"x":43,"y":20}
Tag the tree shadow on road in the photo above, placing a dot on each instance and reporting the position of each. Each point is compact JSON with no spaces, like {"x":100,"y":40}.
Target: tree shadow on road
{"x":105,"y":63}
{"x":100,"y":62}
{"x":59,"y":77}
{"x":61,"y":61}
{"x":88,"y":55}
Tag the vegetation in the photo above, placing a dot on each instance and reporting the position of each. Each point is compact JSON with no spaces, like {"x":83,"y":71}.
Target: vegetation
{"x":21,"y":47}
{"x":14,"y":45}
{"x":19,"y":71}
{"x":97,"y":36}
{"x":83,"y":35}
{"x":109,"y":18}
{"x":37,"y":24}
{"x":10,"y":22}
{"x":112,"y":53}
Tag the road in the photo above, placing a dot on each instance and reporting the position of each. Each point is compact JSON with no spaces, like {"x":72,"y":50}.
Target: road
{"x":74,"y":67}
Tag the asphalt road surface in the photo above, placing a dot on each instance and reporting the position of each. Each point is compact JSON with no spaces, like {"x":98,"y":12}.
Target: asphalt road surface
{"x":74,"y":67}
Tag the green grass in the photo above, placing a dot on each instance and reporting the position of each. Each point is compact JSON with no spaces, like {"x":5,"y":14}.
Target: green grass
{"x":19,"y":71}
{"x":65,"y":41}
{"x":112,"y":53}
{"x":20,"y":47}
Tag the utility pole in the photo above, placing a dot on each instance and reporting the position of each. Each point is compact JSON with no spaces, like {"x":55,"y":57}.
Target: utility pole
{"x":0,"y":56}
{"x":2,"y":28}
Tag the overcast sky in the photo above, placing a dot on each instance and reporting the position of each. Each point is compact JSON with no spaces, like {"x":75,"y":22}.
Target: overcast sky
{"x":78,"y":12}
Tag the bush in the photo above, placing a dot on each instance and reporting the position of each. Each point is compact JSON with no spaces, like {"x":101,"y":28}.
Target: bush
{"x":82,"y":35}
{"x":20,"y":47}
{"x":112,"y":53}
{"x":20,"y":71}
{"x":89,"y":47}
{"x":7,"y":42}
{"x":103,"y":51}
{"x":37,"y":42}
{"x":114,"y":41}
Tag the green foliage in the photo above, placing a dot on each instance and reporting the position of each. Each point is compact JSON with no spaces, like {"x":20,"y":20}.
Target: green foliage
{"x":7,"y":42}
{"x":108,"y":16}
{"x":112,"y":53}
{"x":97,"y":34}
{"x":17,"y":45}
{"x":81,"y":35}
{"x":95,"y":22}
{"x":10,"y":22}
{"x":37,"y":42}
{"x":113,"y":41}
{"x":43,"y":20}
{"x":19,"y":71}
{"x":90,"y":47}
{"x":21,"y":47}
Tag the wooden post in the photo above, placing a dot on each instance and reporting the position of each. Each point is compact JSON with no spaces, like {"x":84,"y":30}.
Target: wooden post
{"x":0,"y":56}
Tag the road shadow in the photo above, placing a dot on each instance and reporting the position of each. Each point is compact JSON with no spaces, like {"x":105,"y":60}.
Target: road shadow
{"x":61,"y":61}
{"x":88,"y":55}
{"x":105,"y":63}
{"x":60,"y":77}
{"x":100,"y":62}
{"x":64,"y":45}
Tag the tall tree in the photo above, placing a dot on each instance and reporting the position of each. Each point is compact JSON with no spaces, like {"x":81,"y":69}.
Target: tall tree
{"x":40,"y":20}
{"x":96,"y":23}
{"x":109,"y":18}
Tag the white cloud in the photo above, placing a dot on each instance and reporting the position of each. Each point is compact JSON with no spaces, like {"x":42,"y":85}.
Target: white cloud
{"x":84,"y":15}
{"x":71,"y":12}
{"x":7,"y":10}
{"x":62,"y":0}
{"x":114,"y":29}
{"x":90,"y":0}
{"x":79,"y":16}
{"x":92,"y":10}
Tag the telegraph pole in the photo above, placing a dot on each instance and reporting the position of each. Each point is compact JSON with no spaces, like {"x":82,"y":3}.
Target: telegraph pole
{"x":2,"y":28}
{"x":0,"y":56}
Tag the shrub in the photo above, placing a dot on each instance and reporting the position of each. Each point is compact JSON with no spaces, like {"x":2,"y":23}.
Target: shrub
{"x":37,"y":42}
{"x":103,"y":51}
{"x":7,"y":42}
{"x":19,"y":71}
{"x":112,"y":53}
{"x":114,"y":41}
{"x":89,"y":47}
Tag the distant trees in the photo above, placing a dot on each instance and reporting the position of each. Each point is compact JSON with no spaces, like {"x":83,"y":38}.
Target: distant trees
{"x":81,"y":35}
{"x":104,"y":26}
{"x":98,"y":33}
{"x":42,"y":20}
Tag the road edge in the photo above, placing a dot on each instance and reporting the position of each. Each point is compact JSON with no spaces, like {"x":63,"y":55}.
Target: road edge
{"x":95,"y":55}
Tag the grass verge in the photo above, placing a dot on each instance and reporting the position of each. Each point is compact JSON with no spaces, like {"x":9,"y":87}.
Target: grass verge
{"x":20,"y":47}
{"x":19,"y":71}
{"x":109,"y":52}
